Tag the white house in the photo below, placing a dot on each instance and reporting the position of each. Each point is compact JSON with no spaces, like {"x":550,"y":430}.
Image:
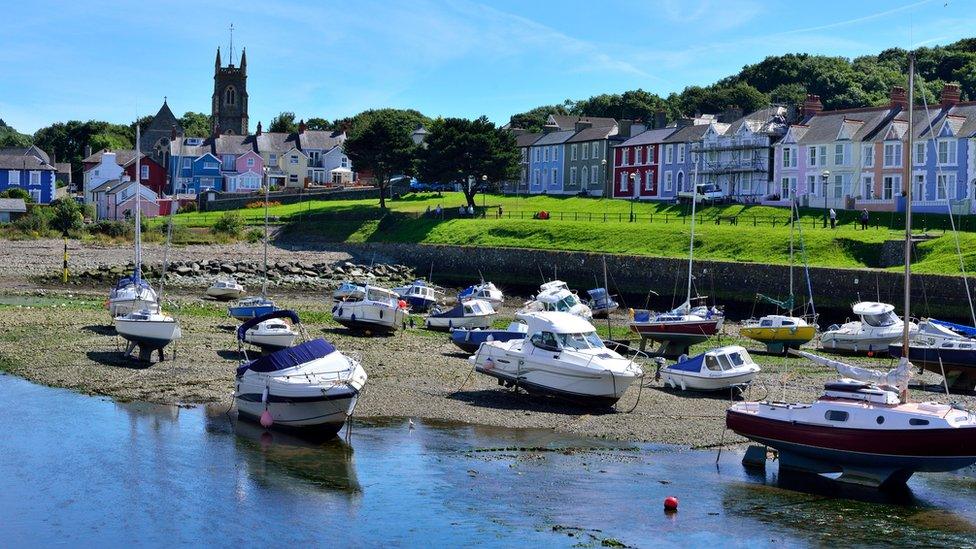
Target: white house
{"x":106,"y":169}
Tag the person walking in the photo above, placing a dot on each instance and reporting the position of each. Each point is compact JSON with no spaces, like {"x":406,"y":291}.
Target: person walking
{"x":865,"y":217}
{"x":833,"y":219}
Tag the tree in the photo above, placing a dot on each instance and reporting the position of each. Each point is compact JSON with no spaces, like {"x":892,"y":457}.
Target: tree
{"x":533,"y":119}
{"x":17,"y":192}
{"x":382,"y":146}
{"x":318,"y":124}
{"x":406,"y":120}
{"x":283,"y":123}
{"x":66,"y":216}
{"x":195,"y":124}
{"x":10,"y":137}
{"x":458,"y":148}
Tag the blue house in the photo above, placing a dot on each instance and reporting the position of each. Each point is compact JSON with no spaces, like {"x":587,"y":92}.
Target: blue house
{"x":940,"y":167}
{"x":677,"y":159}
{"x":194,"y":166}
{"x":546,"y":161}
{"x":28,"y":169}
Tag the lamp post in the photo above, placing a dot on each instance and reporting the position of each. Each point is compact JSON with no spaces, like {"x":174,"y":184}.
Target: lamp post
{"x":603,"y":176}
{"x":484,"y":187}
{"x":824,"y":175}
{"x":633,"y":184}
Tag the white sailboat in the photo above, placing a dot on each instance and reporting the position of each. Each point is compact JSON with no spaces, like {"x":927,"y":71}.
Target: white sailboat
{"x":254,"y":306}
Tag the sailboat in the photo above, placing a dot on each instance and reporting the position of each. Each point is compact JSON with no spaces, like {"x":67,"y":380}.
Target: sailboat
{"x":255,"y":306}
{"x":686,"y":325}
{"x":148,"y":328}
{"x":780,"y":332}
{"x":863,"y":426}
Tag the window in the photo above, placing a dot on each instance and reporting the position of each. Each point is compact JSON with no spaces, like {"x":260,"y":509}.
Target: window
{"x":250,"y":162}
{"x":344,"y":161}
{"x":583,"y":178}
{"x":823,"y":155}
{"x":230,"y":96}
{"x":573,"y":151}
{"x":916,"y":421}
{"x":668,"y":154}
{"x":648,"y":181}
{"x":625,"y":157}
{"x":535,"y":178}
{"x":789,"y":157}
{"x":211,"y":165}
{"x":891,"y":186}
{"x":228,"y":162}
{"x":812,"y":157}
{"x":947,"y":152}
{"x":637,"y":155}
{"x":838,"y":186}
{"x":555,"y":153}
{"x":572,"y":176}
{"x":623,"y":182}
{"x":35,"y":177}
{"x":786,"y":187}
{"x":595,"y":152}
{"x":668,"y":181}
{"x":920,"y":153}
{"x":186,"y":164}
{"x":945,"y":186}
{"x":293,"y":178}
{"x":836,"y":415}
{"x":867,"y":155}
{"x":538,"y":155}
{"x":892,"y":155}
{"x":35,"y":195}
{"x":839,"y":154}
{"x":681,"y":153}
{"x":812,"y":185}
{"x":867,"y":187}
{"x":272,"y":159}
{"x":293,"y":160}
{"x":918,"y":188}
{"x":545,"y":154}
{"x":554,"y":180}
{"x":586,"y":151}
{"x":712,"y":363}
{"x":593,"y":175}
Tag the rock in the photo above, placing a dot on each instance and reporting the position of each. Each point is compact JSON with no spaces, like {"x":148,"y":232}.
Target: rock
{"x":310,"y":273}
{"x":195,"y":267}
{"x":339,"y":271}
{"x":228,"y":268}
{"x":183,"y":270}
{"x":354,"y":272}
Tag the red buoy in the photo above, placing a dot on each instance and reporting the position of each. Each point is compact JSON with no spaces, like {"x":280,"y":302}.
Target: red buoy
{"x":266,"y":420}
{"x":870,"y":353}
{"x":670,"y":503}
{"x":402,"y":304}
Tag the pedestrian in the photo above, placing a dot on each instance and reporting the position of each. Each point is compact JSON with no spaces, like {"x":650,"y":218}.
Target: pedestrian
{"x":461,"y":211}
{"x":865,"y":217}
{"x":499,"y":212}
{"x":427,"y":213}
{"x":439,"y":211}
{"x":833,"y":219}
{"x":471,"y":211}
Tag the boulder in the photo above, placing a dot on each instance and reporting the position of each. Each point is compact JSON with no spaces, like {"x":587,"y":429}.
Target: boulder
{"x":228,"y":268}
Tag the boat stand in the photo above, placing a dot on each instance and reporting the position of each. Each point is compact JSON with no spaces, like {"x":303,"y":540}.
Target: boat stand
{"x":667,"y":348}
{"x":145,"y":353}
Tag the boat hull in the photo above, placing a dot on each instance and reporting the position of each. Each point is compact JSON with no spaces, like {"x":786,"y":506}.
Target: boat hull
{"x":784,"y":336}
{"x":470,"y":340}
{"x":420,"y":304}
{"x":250,"y":311}
{"x":690,"y":381}
{"x":448,"y":324}
{"x":148,"y":334}
{"x":581,"y":399}
{"x":270,"y":341}
{"x":690,"y":332}
{"x":369,"y":317}
{"x":225,"y":294}
{"x":831,"y":342}
{"x":957,"y":365}
{"x":321,"y":416}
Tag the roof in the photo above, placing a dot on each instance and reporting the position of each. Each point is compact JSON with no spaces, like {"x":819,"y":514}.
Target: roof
{"x":22,"y":162}
{"x":568,"y":122}
{"x":63,"y":167}
{"x":556,"y":322}
{"x":320,"y":139}
{"x":648,"y":137}
{"x":593,"y":134}
{"x":104,"y":187}
{"x":687,"y":134}
{"x":30,"y":150}
{"x":272,"y":142}
{"x":767,"y":120}
{"x":527,"y":139}
{"x":232,"y":144}
{"x":122,"y":156}
{"x":13,"y":205}
{"x":825,"y":126}
{"x":554,"y":138}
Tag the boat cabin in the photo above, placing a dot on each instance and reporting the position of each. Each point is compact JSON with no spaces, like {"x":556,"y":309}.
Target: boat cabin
{"x":560,"y":331}
{"x":553,"y":285}
{"x":878,"y":315}
{"x":781,"y":321}
{"x":716,"y":361}
{"x":558,"y":300}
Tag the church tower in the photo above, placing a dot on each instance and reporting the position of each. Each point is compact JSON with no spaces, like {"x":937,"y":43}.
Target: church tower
{"x":229,"y":110}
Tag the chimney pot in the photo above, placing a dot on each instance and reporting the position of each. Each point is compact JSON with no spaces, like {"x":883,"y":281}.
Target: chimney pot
{"x":812,"y":105}
{"x":899,"y":97}
{"x":950,"y":95}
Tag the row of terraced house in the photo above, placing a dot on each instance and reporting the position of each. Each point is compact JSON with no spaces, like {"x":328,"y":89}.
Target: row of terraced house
{"x":844,"y":159}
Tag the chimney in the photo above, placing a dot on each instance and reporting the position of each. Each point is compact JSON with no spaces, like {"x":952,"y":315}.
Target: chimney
{"x":899,"y":98}
{"x":259,"y":128}
{"x":87,"y":151}
{"x":549,"y":128}
{"x":624,"y":126}
{"x":301,"y":126}
{"x":660,"y":119}
{"x":581,"y":125}
{"x":637,"y":128}
{"x":950,"y":95}
{"x":811,"y":105}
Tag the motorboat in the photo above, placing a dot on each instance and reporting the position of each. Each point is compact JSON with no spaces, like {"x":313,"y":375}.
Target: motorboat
{"x":473,"y":313}
{"x":225,"y":289}
{"x":779,"y":332}
{"x":419,"y":295}
{"x":348,"y":291}
{"x":562,"y":356}
{"x":877,"y":327}
{"x":861,"y":428}
{"x":269,"y":331}
{"x":944,"y":348}
{"x":718,"y":369}
{"x":555,"y":296}
{"x":250,"y":307}
{"x":131,"y":293}
{"x":485,"y":291}
{"x":378,"y":309}
{"x":311,"y":388}
{"x":468,"y":340}
{"x":147,"y":330}
{"x":676,"y":330}
{"x":601,"y":303}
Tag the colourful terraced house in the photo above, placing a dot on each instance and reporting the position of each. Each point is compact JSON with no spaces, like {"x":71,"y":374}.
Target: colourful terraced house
{"x":30,"y":169}
{"x":677,"y":166}
{"x":547,"y":161}
{"x":636,"y":165}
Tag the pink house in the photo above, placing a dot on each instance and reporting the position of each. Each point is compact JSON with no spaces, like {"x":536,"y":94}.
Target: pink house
{"x":248,"y":174}
{"x":115,"y":200}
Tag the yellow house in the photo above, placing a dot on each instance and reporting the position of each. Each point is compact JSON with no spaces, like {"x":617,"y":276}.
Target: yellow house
{"x":294,"y":164}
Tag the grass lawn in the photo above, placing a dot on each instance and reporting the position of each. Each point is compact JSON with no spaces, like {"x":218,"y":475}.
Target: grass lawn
{"x":602,"y":225}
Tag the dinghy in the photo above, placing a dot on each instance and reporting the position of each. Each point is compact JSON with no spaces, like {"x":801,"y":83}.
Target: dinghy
{"x":485,"y":291}
{"x":251,"y":307}
{"x":225,"y":288}
{"x":714,"y":370}
{"x":473,"y":313}
{"x":469,"y":340}
{"x":270,"y":332}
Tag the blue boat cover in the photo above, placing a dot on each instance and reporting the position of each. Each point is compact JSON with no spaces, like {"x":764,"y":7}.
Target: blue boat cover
{"x":456,"y":312}
{"x":961,"y":328}
{"x":469,"y":291}
{"x":129,"y":281}
{"x":693,"y":364}
{"x":248,"y":324}
{"x":642,"y":316}
{"x":290,"y":357}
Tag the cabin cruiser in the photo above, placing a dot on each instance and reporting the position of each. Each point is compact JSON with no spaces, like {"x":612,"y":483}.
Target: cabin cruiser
{"x":473,"y":313}
{"x":601,"y":303}
{"x":420,"y":296}
{"x":311,"y":388}
{"x":677,"y":330}
{"x":555,"y":296}
{"x":469,"y":340}
{"x":779,"y":332}
{"x":131,"y":293}
{"x":714,"y":370}
{"x":269,"y":331}
{"x":148,"y":330}
{"x":943,"y":348}
{"x":861,"y":428}
{"x":562,"y":356}
{"x":225,"y":288}
{"x":377,"y":309}
{"x":250,"y":307}
{"x":878,"y":326}
{"x":485,"y":291}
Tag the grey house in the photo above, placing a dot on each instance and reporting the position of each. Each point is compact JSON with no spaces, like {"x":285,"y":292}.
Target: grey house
{"x":588,"y":159}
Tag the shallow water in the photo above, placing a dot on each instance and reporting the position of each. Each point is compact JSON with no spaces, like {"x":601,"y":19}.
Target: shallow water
{"x":83,"y":469}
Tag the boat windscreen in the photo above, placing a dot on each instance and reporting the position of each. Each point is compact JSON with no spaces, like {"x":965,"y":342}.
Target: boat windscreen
{"x":580,"y":341}
{"x":881,"y":320}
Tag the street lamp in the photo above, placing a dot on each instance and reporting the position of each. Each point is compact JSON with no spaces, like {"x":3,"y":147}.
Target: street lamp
{"x":824,"y":175}
{"x":484,"y":187}
{"x":603,"y":175}
{"x":633,"y":183}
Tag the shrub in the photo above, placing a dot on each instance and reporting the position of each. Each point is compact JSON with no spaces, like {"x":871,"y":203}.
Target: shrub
{"x":16,"y":192}
{"x":113,"y":229}
{"x":254,"y":235}
{"x":187,"y":208}
{"x":66,"y":215}
{"x":260,"y":204}
{"x":230,"y":223}
{"x":37,"y":220}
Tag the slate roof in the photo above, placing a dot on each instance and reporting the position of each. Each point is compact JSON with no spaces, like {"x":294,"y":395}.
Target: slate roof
{"x":687,"y":134}
{"x":122,"y":157}
{"x":320,"y":139}
{"x":824,"y":126}
{"x":767,"y":120}
{"x":232,"y":144}
{"x":13,"y":205}
{"x":568,"y":122}
{"x":554,"y":138}
{"x":527,"y":139}
{"x":961,"y":117}
{"x":63,"y":167}
{"x":106,"y":186}
{"x":21,"y":162}
{"x":648,"y":137}
{"x":24,"y":151}
{"x":593,"y":134}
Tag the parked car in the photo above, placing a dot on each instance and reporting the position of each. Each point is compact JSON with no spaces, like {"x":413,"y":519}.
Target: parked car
{"x":706,"y":194}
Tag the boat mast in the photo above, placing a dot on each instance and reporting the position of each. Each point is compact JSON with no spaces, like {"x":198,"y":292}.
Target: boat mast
{"x":691,"y":248}
{"x":792,"y":229}
{"x":264,"y":285}
{"x":906,"y":332}
{"x":607,"y":288}
{"x":138,"y":232}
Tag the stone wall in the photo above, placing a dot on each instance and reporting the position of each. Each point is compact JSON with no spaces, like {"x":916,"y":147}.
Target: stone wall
{"x":231,"y":201}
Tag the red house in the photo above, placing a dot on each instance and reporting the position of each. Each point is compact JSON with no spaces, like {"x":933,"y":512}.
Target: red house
{"x":636,"y":165}
{"x":153,"y":175}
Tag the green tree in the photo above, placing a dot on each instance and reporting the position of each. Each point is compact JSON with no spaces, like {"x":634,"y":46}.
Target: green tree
{"x":633,"y":105}
{"x":66,"y":215}
{"x":283,"y":123}
{"x":458,"y":148}
{"x":382,"y":146}
{"x":533,"y":119}
{"x":10,"y":137}
{"x":17,"y":192}
{"x":318,"y":124}
{"x":405,"y":120}
{"x":195,"y":124}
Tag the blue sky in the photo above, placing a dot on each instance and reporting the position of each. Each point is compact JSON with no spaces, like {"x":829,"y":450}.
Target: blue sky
{"x":113,"y":61}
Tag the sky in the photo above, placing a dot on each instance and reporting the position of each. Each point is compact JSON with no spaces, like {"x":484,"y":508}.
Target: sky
{"x":115,"y":61}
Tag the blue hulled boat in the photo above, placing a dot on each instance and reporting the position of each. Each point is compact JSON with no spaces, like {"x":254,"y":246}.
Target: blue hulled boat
{"x":251,"y":307}
{"x":419,"y":295}
{"x":469,"y":340}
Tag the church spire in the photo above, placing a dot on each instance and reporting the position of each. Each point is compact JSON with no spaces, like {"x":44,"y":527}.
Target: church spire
{"x":244,"y":59}
{"x":217,"y":63}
